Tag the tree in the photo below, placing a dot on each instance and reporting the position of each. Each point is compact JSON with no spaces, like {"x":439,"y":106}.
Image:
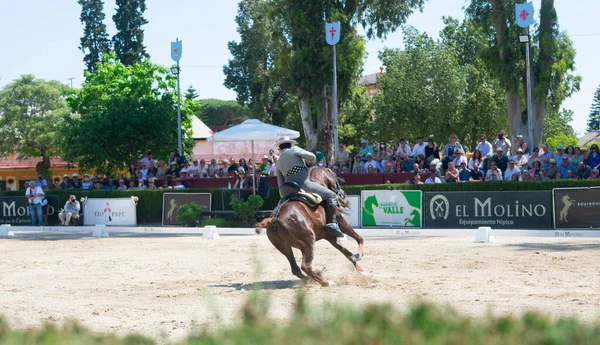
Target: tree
{"x":215,"y":112}
{"x":593,"y":123}
{"x":129,"y":41}
{"x":31,"y":113}
{"x":252,"y":72}
{"x":557,"y":123}
{"x":95,"y":41}
{"x":123,"y":112}
{"x":552,"y":56}
{"x":191,"y":93}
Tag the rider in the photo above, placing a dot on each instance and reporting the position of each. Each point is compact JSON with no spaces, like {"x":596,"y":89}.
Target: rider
{"x":291,"y":168}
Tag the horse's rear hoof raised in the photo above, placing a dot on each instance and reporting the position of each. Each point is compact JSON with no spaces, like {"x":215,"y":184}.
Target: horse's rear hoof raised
{"x":329,"y":283}
{"x":357,"y":257}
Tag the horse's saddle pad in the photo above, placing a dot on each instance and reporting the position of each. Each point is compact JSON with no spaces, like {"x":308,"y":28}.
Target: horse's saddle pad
{"x":311,"y":199}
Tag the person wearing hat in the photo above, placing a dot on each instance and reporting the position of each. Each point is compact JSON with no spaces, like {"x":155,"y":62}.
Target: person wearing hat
{"x":65,"y":184}
{"x":173,"y":170}
{"x":71,"y":210}
{"x":76,"y":183}
{"x":521,"y":144}
{"x":265,"y":166}
{"x":566,"y":169}
{"x":34,"y":195}
{"x":371,"y":164}
{"x":363,"y":150}
{"x":560,"y":153}
{"x":501,"y":159}
{"x":241,"y":179}
{"x":520,"y":159}
{"x":291,"y":168}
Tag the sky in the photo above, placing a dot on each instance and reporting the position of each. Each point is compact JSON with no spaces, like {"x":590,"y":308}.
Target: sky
{"x":41,"y":37}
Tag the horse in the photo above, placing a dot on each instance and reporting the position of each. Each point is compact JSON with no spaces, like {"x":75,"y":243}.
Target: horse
{"x":298,"y":225}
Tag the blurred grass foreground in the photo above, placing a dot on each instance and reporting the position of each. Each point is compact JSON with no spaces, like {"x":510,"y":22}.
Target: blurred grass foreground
{"x":422,"y":323}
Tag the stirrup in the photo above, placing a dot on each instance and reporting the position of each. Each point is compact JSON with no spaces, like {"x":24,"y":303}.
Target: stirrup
{"x":334,"y":229}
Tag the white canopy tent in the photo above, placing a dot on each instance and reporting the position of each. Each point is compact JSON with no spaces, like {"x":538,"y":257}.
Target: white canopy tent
{"x":251,"y":130}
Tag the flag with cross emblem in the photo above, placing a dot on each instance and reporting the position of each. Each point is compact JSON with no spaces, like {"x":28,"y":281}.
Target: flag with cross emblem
{"x":176,"y":50}
{"x":332,"y":33}
{"x":524,"y":14}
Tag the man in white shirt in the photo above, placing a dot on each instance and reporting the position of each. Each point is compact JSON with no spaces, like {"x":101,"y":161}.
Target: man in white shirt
{"x":433,"y":178}
{"x":34,"y":195}
{"x":404,"y":148}
{"x":484,"y":146}
{"x":341,"y":156}
{"x":419,"y":148}
{"x":512,"y":173}
{"x":371,"y":162}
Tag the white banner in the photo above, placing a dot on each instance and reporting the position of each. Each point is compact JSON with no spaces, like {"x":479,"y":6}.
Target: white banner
{"x":391,"y":208}
{"x":353,"y":212}
{"x":109,"y":212}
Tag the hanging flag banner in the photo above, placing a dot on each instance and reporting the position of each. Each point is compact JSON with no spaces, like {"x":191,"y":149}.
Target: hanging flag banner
{"x":332,"y":33}
{"x":176,"y":50}
{"x":524,"y":14}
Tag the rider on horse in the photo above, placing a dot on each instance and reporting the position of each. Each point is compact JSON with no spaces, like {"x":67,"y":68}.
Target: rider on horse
{"x":291,"y":168}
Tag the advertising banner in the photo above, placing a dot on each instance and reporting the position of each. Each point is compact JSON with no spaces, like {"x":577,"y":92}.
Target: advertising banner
{"x":499,"y":210}
{"x":112,"y":212}
{"x":14,"y":210}
{"x":352,"y":213}
{"x":173,"y":201}
{"x":576,"y":208}
{"x":391,"y":208}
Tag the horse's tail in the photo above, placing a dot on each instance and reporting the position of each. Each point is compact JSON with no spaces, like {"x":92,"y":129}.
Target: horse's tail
{"x":262,"y":224}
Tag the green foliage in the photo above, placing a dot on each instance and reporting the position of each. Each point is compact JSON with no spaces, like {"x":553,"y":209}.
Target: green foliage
{"x":31,"y":117}
{"x":95,"y":41}
{"x":561,"y":139}
{"x":128,"y":42}
{"x":593,"y":123}
{"x":245,"y":210}
{"x":557,"y":123}
{"x":123,"y":112}
{"x":216,"y":112}
{"x":219,"y":222}
{"x":422,"y":323}
{"x":191,"y":93}
{"x":190,"y":214}
{"x":356,"y":118}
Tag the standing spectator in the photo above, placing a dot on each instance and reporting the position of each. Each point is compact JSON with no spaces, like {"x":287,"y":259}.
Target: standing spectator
{"x":459,"y":158}
{"x":501,"y":160}
{"x":265,"y":166}
{"x":451,"y":173}
{"x":494,"y":173}
{"x":364,"y":149}
{"x":476,"y":174}
{"x":431,"y":151}
{"x":144,"y":171}
{"x":41,"y":182}
{"x":76,"y":183}
{"x":213,"y":168}
{"x":534,"y":157}
{"x":262,"y":187}
{"x":476,"y":158}
{"x":464,"y":174}
{"x":584,"y":171}
{"x":546,"y":156}
{"x":571,"y":153}
{"x":341,"y":156}
{"x":449,"y":150}
{"x":273,"y":156}
{"x":147,"y":159}
{"x":520,"y":144}
{"x":484,"y":147}
{"x":34,"y":195}
{"x":566,"y":169}
{"x":273,"y":168}
{"x":512,"y":173}
{"x":577,"y":156}
{"x":71,"y":210}
{"x":419,"y":148}
{"x":593,"y":157}
{"x":404,"y":148}
{"x":503,"y":142}
{"x":132,"y":171}
{"x":65,"y":184}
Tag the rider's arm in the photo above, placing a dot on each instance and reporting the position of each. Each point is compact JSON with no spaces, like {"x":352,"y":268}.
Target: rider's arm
{"x":280,"y":178}
{"x":309,"y":156}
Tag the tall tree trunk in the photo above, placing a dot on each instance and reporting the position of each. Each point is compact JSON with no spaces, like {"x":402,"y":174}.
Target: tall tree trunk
{"x":308,"y":123}
{"x":325,"y":125}
{"x":44,"y":164}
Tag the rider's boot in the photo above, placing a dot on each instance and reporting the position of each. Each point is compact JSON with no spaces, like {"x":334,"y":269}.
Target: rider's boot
{"x":332,"y":227}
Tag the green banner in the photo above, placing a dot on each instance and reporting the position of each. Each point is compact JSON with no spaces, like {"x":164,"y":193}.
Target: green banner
{"x":391,"y":208}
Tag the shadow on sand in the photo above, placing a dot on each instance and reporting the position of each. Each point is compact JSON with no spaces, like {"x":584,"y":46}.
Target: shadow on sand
{"x":556,"y":247}
{"x":264,"y":285}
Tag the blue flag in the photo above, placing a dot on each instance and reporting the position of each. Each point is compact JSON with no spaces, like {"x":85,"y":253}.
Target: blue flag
{"x":524,"y":14}
{"x":176,"y":50}
{"x":332,"y":33}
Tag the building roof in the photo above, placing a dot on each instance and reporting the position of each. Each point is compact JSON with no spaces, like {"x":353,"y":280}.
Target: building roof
{"x":13,"y":163}
{"x":199,"y":129}
{"x":589,"y":137}
{"x":369,"y":79}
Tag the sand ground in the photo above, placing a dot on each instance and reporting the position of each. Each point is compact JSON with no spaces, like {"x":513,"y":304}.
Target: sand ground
{"x":166,"y":287}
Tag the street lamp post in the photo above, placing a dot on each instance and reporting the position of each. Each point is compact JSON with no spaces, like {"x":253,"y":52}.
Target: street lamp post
{"x":176,"y":48}
{"x":525,"y":39}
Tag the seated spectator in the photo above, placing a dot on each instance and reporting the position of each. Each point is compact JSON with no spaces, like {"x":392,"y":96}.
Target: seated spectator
{"x":173,"y":170}
{"x":512,"y":173}
{"x":464,"y":174}
{"x":546,"y":156}
{"x":65,"y":184}
{"x":595,"y":175}
{"x":162,"y":169}
{"x":345,"y":170}
{"x":419,"y":148}
{"x":262,"y":187}
{"x":183,"y":174}
{"x":132,"y":170}
{"x":451,"y":173}
{"x":357,"y":165}
{"x":193,"y":170}
{"x":484,"y":148}
{"x":583,"y":172}
{"x":122,"y":185}
{"x":560,"y":153}
{"x":152,"y":183}
{"x":132,"y":184}
{"x":434,"y":166}
{"x":165,"y":185}
{"x":494,"y":173}
{"x":459,"y":157}
{"x":86,"y":184}
{"x":141,"y":184}
{"x":273,"y":168}
{"x":202,"y":169}
{"x":501,"y":160}
{"x":476,"y":158}
{"x":76,"y":183}
{"x":450,"y":149}
{"x":213,"y":168}
{"x":566,"y":169}
{"x":178,"y":184}
{"x":578,"y":156}
{"x":110,"y":185}
{"x":433,"y":178}
{"x":407,"y":163}
{"x":417,"y":179}
{"x":371,"y":169}
{"x":341,"y":156}
{"x":420,"y":160}
{"x":416,"y":169}
{"x":265,"y":166}
{"x":144,"y":171}
{"x":431,"y":152}
{"x":371,"y":163}
{"x":553,"y":173}
{"x":363,"y":150}
{"x":535,"y":156}
{"x":404,"y":148}
{"x":521,"y":144}
{"x":389,"y":158}
{"x":139,"y":176}
{"x":476,"y":174}
{"x":242,"y":163}
{"x":534,"y":172}
{"x":71,"y":210}
{"x":152,"y":169}
{"x":388,"y":167}
{"x":240,"y":181}
{"x":520,"y":159}
{"x":592,"y":160}
{"x":41,"y":182}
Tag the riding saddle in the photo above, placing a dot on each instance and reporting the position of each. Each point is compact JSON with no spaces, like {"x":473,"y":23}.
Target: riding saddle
{"x":310,"y":199}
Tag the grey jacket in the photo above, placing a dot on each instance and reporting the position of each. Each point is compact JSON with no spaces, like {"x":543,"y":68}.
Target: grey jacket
{"x":289,"y":161}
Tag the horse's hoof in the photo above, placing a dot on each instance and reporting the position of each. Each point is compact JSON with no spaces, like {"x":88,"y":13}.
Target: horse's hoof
{"x":330,"y":283}
{"x":357,"y":256}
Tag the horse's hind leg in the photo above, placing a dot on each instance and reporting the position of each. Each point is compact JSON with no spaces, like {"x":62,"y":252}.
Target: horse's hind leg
{"x":286,"y":250}
{"x":348,"y":230}
{"x":307,"y":258}
{"x":344,"y":251}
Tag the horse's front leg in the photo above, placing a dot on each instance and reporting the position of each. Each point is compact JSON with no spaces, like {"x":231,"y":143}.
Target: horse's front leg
{"x":348,"y":230}
{"x":351,"y":257}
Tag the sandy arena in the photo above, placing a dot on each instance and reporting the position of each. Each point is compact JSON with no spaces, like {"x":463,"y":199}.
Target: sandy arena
{"x":166,"y":287}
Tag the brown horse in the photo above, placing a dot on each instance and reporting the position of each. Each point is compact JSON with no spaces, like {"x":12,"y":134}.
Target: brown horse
{"x":299,"y":226}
